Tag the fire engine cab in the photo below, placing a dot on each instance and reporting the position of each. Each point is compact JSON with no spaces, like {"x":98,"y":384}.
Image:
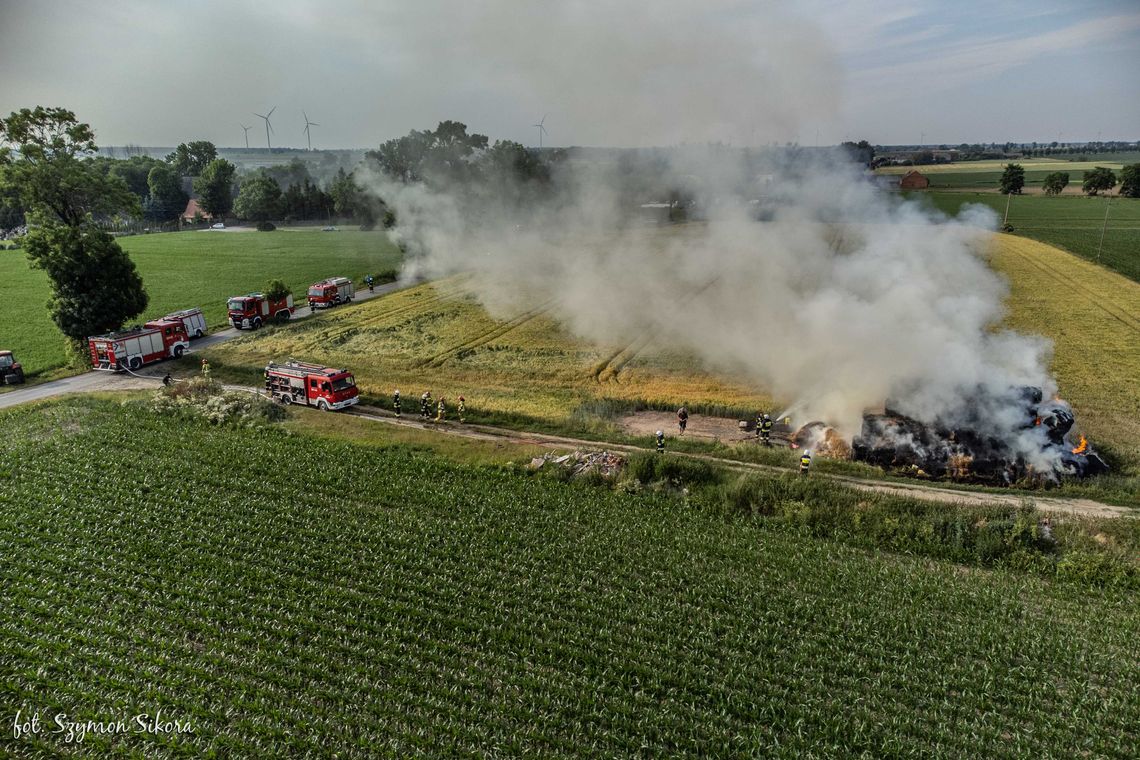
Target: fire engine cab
{"x":131,"y":349}
{"x":295,"y":382}
{"x":253,"y":310}
{"x":330,"y":292}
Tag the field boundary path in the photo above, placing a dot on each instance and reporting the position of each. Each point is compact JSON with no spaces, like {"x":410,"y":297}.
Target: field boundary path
{"x":93,"y":382}
{"x":1076,"y":506}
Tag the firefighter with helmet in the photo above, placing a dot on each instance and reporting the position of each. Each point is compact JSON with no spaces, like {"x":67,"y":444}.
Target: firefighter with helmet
{"x":764,"y":429}
{"x":425,"y":405}
{"x":660,"y":442}
{"x":441,"y":410}
{"x":396,"y":402}
{"x":368,"y":279}
{"x":462,"y":408}
{"x":205,"y":367}
{"x":805,"y":462}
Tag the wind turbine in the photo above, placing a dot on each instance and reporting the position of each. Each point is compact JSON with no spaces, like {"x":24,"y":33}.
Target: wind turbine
{"x":246,"y":134}
{"x":307,"y":125}
{"x":541,"y":130}
{"x":268,"y":126}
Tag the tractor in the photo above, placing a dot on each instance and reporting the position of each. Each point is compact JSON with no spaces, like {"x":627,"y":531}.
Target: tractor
{"x":11,"y":372}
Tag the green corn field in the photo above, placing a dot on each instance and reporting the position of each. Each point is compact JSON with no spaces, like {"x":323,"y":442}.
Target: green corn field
{"x":300,"y":596}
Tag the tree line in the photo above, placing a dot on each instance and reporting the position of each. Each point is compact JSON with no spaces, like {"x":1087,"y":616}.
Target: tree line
{"x":1098,"y":180}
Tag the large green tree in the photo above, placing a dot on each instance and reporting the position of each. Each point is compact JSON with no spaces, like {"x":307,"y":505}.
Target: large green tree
{"x":1055,"y":182}
{"x":95,"y":287}
{"x":1012,"y":179}
{"x":259,"y":198}
{"x":1098,"y":180}
{"x":861,"y":152}
{"x":191,"y":159}
{"x":1130,"y":181}
{"x":350,"y":199}
{"x":443,"y":156}
{"x":214,"y":187}
{"x":45,"y":158}
{"x":165,"y":199}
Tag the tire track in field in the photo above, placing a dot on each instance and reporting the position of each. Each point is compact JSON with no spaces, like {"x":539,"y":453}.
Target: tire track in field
{"x":609,"y":368}
{"x":488,"y":335}
{"x":1124,"y":318}
{"x":438,"y":296}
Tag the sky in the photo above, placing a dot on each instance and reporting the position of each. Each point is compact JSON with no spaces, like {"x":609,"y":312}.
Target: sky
{"x":743,"y":72}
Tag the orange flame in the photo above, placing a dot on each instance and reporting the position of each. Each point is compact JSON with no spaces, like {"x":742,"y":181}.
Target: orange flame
{"x":1080,"y":449}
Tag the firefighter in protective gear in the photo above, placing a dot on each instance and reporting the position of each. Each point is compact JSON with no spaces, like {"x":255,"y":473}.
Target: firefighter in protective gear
{"x":765,"y":429}
{"x":206,"y":367}
{"x":396,"y":402}
{"x":368,"y":279}
{"x":462,"y":408}
{"x":425,"y":405}
{"x":441,"y":410}
{"x":660,"y":442}
{"x":167,"y":380}
{"x":805,"y":462}
{"x":682,"y":419}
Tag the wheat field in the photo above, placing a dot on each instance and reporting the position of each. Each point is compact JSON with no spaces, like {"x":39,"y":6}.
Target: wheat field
{"x":1093,"y":318}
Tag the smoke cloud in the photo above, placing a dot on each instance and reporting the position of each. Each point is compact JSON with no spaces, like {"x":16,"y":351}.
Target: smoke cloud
{"x":801,"y":277}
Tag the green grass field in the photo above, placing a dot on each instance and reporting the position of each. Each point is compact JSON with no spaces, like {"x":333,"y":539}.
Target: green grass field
{"x":186,"y":269}
{"x":1069,"y":222}
{"x":385,"y":602}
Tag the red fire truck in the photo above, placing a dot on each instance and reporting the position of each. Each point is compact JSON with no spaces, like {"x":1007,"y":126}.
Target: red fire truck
{"x":131,"y":349}
{"x":192,"y":320}
{"x":330,"y":292}
{"x":295,"y":382}
{"x":254,"y":309}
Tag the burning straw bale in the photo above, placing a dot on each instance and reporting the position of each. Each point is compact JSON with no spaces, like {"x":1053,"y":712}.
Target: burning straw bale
{"x":822,"y":440}
{"x":996,"y":440}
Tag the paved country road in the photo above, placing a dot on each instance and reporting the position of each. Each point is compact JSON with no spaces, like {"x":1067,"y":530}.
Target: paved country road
{"x":145,"y":378}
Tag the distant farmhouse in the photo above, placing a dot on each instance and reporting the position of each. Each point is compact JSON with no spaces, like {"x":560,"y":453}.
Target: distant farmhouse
{"x":913,"y":180}
{"x":194,"y":211}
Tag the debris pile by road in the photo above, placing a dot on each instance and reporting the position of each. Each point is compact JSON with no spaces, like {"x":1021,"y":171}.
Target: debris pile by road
{"x":605,"y":463}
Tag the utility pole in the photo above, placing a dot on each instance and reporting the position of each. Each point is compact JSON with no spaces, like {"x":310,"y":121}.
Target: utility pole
{"x":1103,"y":227}
{"x":1005,"y":221}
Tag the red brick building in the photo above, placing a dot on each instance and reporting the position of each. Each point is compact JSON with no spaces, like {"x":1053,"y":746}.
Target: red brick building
{"x":913,"y":180}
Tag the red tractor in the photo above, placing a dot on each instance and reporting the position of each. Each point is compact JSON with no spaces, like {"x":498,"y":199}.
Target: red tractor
{"x":326,"y":388}
{"x":11,"y":371}
{"x":253,"y":310}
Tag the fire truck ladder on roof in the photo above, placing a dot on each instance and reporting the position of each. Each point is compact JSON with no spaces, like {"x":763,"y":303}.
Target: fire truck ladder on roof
{"x":296,"y":367}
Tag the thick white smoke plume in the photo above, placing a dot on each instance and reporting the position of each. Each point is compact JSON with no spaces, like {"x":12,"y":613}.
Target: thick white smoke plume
{"x":801,"y":278}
